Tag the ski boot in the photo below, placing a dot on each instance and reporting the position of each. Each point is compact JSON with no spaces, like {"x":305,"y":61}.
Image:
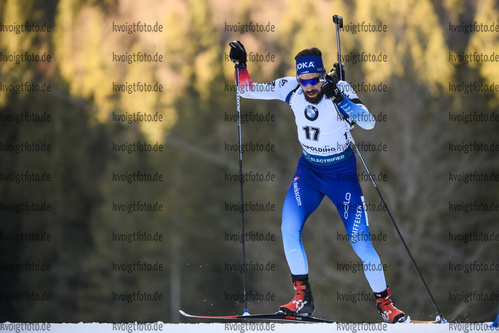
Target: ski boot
{"x":385,"y":307}
{"x":303,"y":302}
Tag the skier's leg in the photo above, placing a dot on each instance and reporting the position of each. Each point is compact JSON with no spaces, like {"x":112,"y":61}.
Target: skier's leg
{"x":301,"y":200}
{"x":299,"y":203}
{"x":348,"y":198}
{"x":354,"y":216}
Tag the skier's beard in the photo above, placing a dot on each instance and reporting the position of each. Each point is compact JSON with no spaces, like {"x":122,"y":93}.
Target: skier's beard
{"x":316,"y":99}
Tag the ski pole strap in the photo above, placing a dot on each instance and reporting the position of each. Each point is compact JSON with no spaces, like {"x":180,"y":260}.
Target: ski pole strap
{"x":328,"y":160}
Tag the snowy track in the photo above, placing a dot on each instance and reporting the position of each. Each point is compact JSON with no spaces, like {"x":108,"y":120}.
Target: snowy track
{"x":245,"y":327}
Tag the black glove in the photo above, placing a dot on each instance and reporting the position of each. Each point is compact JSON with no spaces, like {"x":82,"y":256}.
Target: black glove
{"x":332,"y":91}
{"x":238,"y":54}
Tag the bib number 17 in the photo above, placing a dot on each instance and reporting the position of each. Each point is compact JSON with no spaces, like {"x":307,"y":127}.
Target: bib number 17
{"x":311,"y":133}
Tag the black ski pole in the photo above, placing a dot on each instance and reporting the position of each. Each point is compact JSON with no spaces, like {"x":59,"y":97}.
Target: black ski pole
{"x":338,"y":21}
{"x":238,"y":102}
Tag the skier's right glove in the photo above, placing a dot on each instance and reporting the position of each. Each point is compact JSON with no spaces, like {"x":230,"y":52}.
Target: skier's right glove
{"x":238,"y":54}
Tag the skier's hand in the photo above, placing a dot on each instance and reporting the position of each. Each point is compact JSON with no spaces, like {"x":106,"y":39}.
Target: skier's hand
{"x":336,"y":71}
{"x":332,"y":91}
{"x":238,"y":54}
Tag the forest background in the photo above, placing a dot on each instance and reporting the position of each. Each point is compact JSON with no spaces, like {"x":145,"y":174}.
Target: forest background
{"x":91,"y":231}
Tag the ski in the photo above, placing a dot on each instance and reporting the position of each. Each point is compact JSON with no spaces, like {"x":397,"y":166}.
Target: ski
{"x":281,"y":316}
{"x":438,"y":320}
{"x":422,"y":322}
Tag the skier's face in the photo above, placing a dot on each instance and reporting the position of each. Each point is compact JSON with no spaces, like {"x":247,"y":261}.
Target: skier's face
{"x":311,"y":85}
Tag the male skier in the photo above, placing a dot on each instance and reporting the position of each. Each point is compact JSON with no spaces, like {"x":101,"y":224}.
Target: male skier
{"x":327,"y":166}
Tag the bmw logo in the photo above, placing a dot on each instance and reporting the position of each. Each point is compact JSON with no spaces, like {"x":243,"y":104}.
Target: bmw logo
{"x":311,"y":112}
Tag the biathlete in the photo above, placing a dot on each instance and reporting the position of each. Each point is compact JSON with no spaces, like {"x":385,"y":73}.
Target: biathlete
{"x":327,"y":167}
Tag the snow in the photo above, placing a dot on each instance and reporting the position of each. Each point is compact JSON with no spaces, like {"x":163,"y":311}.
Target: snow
{"x":242,"y":327}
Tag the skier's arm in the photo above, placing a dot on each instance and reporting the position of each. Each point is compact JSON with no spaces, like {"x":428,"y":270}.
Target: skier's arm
{"x":278,"y":89}
{"x":349,"y":104}
{"x":352,"y":106}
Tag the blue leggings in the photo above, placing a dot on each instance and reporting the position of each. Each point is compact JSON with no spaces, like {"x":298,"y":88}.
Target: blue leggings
{"x":338,"y":182}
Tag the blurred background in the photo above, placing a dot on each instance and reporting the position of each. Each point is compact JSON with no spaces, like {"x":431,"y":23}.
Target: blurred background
{"x":69,"y":251}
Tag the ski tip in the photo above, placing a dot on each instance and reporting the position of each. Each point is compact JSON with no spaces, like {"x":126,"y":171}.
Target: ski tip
{"x":183,"y":313}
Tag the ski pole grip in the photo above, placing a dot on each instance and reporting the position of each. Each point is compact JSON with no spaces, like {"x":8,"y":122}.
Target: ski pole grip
{"x":338,"y":20}
{"x":233,"y":44}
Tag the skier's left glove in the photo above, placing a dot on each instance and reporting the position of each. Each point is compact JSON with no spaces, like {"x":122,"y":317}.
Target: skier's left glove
{"x":332,"y":91}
